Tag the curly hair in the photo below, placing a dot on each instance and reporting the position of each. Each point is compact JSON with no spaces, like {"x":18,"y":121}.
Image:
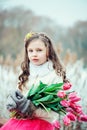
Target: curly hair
{"x":52,"y":55}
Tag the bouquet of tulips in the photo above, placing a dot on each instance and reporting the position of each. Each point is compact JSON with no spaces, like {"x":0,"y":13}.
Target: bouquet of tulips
{"x":58,"y":98}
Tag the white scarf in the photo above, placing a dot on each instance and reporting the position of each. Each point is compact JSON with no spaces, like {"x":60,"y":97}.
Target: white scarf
{"x":41,"y":70}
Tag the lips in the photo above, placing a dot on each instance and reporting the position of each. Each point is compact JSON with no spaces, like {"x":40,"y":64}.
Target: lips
{"x":35,"y":60}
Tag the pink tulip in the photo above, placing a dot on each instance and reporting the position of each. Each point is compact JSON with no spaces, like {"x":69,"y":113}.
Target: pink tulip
{"x":83,"y":118}
{"x":66,"y":121}
{"x":78,"y":109}
{"x":72,"y":105}
{"x":71,"y":116}
{"x":56,"y":124}
{"x":69,"y":109}
{"x":64,"y":103}
{"x":67,"y":86}
{"x":72,"y":95}
{"x":61,"y":94}
{"x":76,"y":99}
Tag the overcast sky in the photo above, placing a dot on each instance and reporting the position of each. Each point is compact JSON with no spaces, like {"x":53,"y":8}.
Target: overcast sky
{"x":63,"y":12}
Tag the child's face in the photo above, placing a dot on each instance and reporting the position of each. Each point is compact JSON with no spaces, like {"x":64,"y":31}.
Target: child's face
{"x":37,"y":52}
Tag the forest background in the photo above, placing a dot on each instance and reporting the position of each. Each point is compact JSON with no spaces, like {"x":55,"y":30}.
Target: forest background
{"x":16,"y":21}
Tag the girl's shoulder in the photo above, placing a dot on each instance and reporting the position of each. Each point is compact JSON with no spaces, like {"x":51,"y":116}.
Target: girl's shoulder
{"x":51,"y":78}
{"x":55,"y":77}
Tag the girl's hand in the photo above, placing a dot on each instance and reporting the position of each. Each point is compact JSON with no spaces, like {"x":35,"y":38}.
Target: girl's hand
{"x":16,"y":101}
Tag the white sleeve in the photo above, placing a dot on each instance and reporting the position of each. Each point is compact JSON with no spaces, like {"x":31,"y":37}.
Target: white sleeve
{"x":57,"y":79}
{"x":48,"y":116}
{"x":54,"y":78}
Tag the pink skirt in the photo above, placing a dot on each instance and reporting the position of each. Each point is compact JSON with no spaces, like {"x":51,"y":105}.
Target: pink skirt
{"x":27,"y":124}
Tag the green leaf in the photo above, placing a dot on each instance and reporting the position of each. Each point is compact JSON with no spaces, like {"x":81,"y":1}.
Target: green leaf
{"x":56,"y":100}
{"x":46,"y":98}
{"x":42,"y":90}
{"x":52,"y":104}
{"x":41,"y":86}
{"x":53,"y":87}
{"x":30,"y":91}
{"x":53,"y":108}
{"x":36,"y":103}
{"x":34,"y":90}
{"x":50,"y":93}
{"x":37,"y":96}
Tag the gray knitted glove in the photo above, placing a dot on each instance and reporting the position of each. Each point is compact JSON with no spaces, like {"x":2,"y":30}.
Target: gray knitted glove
{"x":16,"y":101}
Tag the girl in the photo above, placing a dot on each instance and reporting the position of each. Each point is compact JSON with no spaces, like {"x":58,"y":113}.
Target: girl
{"x":41,"y":63}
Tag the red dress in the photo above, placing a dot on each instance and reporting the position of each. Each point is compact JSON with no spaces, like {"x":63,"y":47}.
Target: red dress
{"x":27,"y":124}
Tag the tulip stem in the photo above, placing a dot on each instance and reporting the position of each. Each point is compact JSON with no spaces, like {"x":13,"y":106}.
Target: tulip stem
{"x":63,"y":111}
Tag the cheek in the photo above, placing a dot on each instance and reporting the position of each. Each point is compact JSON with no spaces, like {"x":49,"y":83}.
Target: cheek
{"x":44,"y":56}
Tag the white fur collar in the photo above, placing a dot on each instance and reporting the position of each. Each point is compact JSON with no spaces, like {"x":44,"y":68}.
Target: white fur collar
{"x":41,"y":70}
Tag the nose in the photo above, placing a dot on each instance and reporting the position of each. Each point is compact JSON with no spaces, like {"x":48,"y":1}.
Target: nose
{"x":34,"y":53}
